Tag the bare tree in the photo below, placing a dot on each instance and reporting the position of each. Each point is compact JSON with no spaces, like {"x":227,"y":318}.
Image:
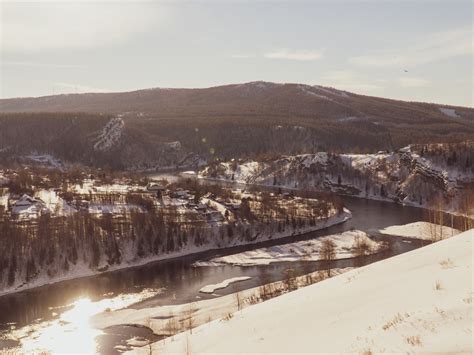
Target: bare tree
{"x":189,"y":317}
{"x":360,"y":248}
{"x":290,"y":281}
{"x":327,"y":254}
{"x":239,"y":301}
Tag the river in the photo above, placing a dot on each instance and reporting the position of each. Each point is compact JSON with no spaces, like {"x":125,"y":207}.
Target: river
{"x":172,"y":281}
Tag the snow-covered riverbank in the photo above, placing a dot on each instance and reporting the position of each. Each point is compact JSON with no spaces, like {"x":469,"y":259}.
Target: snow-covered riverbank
{"x":169,"y":319}
{"x":421,"y":230}
{"x":82,"y":270}
{"x":223,"y":284}
{"x":421,"y":301}
{"x":345,"y":245}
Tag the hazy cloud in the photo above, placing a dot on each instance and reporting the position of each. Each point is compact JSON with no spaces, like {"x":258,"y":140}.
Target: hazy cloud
{"x":351,"y":81}
{"x":290,"y":54}
{"x":411,"y":82}
{"x":41,"y":65}
{"x":438,"y":46}
{"x":68,"y":88}
{"x":242,"y":56}
{"x":28,"y":27}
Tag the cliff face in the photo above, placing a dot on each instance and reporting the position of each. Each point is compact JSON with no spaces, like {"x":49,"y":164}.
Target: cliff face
{"x":409,"y":176}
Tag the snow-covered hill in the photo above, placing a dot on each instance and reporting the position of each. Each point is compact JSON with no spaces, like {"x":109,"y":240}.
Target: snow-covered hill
{"x":405,"y":176}
{"x":421,"y":301}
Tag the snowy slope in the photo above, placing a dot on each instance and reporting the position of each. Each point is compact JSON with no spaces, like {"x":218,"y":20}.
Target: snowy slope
{"x":414,"y":302}
{"x":421,"y":230}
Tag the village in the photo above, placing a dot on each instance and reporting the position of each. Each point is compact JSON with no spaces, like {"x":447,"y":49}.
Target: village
{"x":66,"y":221}
{"x":117,"y":199}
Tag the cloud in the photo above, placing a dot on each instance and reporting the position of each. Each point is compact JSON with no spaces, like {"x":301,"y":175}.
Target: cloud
{"x":289,"y":54}
{"x":242,"y":56}
{"x":68,"y":88}
{"x":351,"y":81}
{"x":411,"y":82}
{"x":40,"y":26}
{"x":42,"y":65}
{"x":436,"y":47}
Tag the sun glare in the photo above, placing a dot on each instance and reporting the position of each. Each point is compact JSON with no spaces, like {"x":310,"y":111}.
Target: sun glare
{"x":72,"y":332}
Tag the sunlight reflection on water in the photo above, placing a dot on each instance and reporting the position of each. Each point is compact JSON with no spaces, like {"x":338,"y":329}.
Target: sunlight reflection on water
{"x":72,"y":332}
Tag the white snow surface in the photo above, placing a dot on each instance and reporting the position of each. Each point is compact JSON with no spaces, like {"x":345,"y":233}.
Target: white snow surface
{"x":420,"y":301}
{"x":4,"y":200}
{"x":223,"y":284}
{"x":421,"y":230}
{"x":110,"y":134}
{"x":308,"y":91}
{"x":302,"y":250}
{"x":449,"y":112}
{"x":55,"y":204}
{"x":332,"y":91}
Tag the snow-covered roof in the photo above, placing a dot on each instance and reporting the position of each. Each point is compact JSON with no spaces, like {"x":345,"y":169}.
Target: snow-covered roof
{"x":26,"y":200}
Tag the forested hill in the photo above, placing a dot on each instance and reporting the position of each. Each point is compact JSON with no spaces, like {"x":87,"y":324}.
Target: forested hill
{"x":169,"y":127}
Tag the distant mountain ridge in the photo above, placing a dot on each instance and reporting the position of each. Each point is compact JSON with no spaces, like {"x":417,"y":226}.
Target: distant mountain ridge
{"x":176,"y":127}
{"x":250,"y":98}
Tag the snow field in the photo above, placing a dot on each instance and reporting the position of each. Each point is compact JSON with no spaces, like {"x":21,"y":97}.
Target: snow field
{"x":421,"y":301}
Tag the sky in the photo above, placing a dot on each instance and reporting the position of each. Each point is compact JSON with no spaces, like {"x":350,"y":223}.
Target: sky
{"x":419,"y":50}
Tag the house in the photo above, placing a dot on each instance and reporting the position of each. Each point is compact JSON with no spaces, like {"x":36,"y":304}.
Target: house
{"x":180,"y":194}
{"x":201,"y":207}
{"x":210,"y":196}
{"x":232,"y":205}
{"x":156,"y":189}
{"x":191,"y":205}
{"x":3,"y":180}
{"x":28,"y":207}
{"x":214,"y":216}
{"x":235,"y":206}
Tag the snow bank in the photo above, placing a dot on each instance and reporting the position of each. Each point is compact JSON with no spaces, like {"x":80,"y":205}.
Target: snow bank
{"x":223,"y":284}
{"x":303,"y":250}
{"x":421,"y":230}
{"x":420,"y":301}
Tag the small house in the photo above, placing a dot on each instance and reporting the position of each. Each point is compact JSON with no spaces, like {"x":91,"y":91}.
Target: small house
{"x":28,"y":207}
{"x":156,"y":189}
